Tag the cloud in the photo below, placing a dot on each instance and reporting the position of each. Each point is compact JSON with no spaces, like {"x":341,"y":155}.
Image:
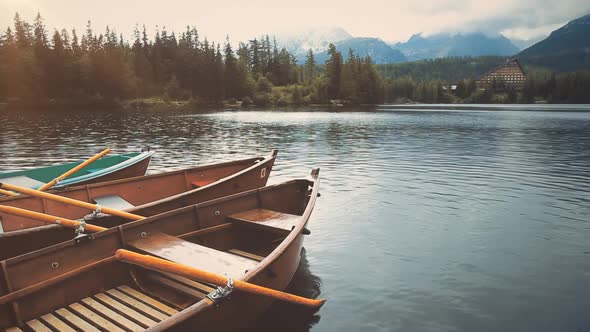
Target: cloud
{"x":523,"y":19}
{"x":391,"y":20}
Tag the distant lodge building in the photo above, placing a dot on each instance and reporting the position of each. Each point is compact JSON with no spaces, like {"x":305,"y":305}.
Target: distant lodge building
{"x":508,"y":75}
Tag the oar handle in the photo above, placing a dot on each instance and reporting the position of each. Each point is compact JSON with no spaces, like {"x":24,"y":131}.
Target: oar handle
{"x":7,"y":193}
{"x":49,"y":219}
{"x":74,"y":170}
{"x":70,"y":201}
{"x":161,"y":265}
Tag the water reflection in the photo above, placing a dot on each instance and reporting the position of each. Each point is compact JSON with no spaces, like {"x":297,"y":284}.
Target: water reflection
{"x":289,"y":317}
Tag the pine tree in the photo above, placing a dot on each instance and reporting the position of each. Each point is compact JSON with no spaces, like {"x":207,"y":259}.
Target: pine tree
{"x":333,"y":71}
{"x":309,"y":68}
{"x":22,"y":32}
{"x":232,"y":86}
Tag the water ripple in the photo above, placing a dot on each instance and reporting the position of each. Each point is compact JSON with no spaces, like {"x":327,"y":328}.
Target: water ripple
{"x":428,"y":221}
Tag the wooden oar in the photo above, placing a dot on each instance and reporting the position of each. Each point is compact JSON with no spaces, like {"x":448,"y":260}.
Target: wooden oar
{"x":49,"y":219}
{"x":161,"y":265}
{"x":71,"y":201}
{"x":7,"y":193}
{"x":158,"y":264}
{"x":74,"y":170}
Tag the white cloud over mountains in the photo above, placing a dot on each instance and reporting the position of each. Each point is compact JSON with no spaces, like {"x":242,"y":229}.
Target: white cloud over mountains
{"x":391,"y":20}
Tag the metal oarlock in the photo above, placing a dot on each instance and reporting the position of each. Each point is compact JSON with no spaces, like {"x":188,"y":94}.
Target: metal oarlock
{"x":221,"y":293}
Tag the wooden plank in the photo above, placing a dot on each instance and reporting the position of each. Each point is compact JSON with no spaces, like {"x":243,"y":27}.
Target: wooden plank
{"x":125,"y":310}
{"x":75,"y":321}
{"x":148,"y":300}
{"x":195,"y":284}
{"x":246,"y":254}
{"x":56,"y":323}
{"x":95,"y":318}
{"x":176,"y":286}
{"x":274,"y":219}
{"x":138,"y":305}
{"x":115,"y":317}
{"x":13,"y":329}
{"x":194,"y":255}
{"x":37,"y":326}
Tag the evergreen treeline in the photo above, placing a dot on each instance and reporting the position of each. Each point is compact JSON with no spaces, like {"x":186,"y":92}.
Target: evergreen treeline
{"x":66,"y":65}
{"x":553,"y":87}
{"x":450,"y":69}
{"x":37,"y":65}
{"x":541,"y":85}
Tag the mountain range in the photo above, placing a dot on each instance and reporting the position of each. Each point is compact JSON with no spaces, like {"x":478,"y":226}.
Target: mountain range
{"x":567,"y":48}
{"x":379,"y":51}
{"x":417,"y":47}
{"x":316,"y":40}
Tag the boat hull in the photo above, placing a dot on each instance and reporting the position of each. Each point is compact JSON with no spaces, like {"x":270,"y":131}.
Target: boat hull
{"x":106,"y":169}
{"x":78,"y":271}
{"x":137,"y":169}
{"x":24,"y":235}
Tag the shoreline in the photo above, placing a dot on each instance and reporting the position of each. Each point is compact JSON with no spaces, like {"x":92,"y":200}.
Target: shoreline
{"x":484,"y":107}
{"x":152,"y":104}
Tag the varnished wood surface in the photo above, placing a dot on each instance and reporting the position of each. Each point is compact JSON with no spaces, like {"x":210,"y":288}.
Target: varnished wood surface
{"x":125,"y":310}
{"x":194,"y":255}
{"x":118,"y":309}
{"x":56,"y":323}
{"x":246,"y":254}
{"x":95,"y":318}
{"x":112,"y":315}
{"x":148,"y":300}
{"x":76,"y":321}
{"x":138,"y":305}
{"x":37,"y":326}
{"x":268,"y":218}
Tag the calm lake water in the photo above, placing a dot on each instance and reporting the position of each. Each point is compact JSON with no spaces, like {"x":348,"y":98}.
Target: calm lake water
{"x":428,"y":220}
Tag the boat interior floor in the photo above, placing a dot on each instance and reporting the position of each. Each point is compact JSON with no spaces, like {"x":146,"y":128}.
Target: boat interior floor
{"x":118,"y":309}
{"x":155,"y":297}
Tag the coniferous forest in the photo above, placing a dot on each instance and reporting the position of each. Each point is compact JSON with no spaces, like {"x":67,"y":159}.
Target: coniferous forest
{"x":39,"y":66}
{"x":36,"y":64}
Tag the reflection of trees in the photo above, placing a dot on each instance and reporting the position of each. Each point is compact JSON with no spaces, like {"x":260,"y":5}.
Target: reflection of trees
{"x":288,"y":317}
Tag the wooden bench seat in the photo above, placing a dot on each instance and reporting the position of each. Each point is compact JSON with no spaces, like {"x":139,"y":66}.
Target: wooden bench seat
{"x":191,"y":254}
{"x":119,"y":309}
{"x":113,"y":202}
{"x":267,"y":218}
{"x":22,"y":181}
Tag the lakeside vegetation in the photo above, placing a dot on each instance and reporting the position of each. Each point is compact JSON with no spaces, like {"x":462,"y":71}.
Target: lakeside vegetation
{"x":71,"y":68}
{"x":429,"y":81}
{"x":104,"y":68}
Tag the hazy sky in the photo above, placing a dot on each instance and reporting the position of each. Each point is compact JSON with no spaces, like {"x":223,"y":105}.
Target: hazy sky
{"x":391,"y":20}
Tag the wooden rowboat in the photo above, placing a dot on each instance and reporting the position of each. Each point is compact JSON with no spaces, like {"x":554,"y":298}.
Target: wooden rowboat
{"x":86,"y":283}
{"x":104,"y":169}
{"x":148,"y":195}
